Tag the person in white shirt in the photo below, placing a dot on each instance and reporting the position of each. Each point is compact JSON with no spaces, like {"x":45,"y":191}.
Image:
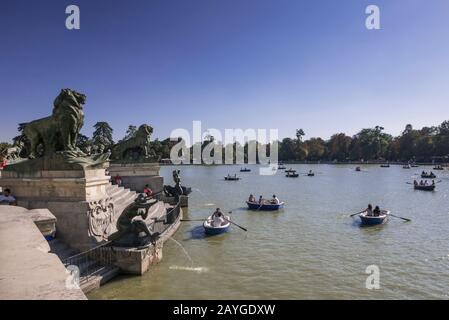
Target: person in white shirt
{"x":7,"y":197}
{"x":275,"y":200}
{"x":217,"y":218}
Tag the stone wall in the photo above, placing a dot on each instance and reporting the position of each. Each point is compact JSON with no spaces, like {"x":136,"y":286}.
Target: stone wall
{"x":27,"y":269}
{"x":136,"y":175}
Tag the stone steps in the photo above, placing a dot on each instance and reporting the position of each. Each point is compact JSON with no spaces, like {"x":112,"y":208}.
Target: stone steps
{"x":113,"y":193}
{"x":96,"y":280}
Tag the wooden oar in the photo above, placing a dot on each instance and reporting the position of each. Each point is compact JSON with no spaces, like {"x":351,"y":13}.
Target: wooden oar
{"x":356,"y":213}
{"x":186,"y":220}
{"x":400,"y":217}
{"x":235,"y":224}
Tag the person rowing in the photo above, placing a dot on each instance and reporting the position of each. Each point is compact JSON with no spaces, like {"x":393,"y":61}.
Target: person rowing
{"x":369,"y":210}
{"x":275,"y":200}
{"x":217,"y":218}
{"x":251,"y":198}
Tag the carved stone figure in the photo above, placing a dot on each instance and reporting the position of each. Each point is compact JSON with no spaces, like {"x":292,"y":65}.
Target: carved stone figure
{"x":12,"y":154}
{"x":136,"y":148}
{"x":131,"y":231}
{"x":100,"y":215}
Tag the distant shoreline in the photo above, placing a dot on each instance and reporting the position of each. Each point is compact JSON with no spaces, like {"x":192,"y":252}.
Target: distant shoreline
{"x":396,"y":163}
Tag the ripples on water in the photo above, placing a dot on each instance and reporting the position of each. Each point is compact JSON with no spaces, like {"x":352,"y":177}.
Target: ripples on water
{"x":309,"y":250}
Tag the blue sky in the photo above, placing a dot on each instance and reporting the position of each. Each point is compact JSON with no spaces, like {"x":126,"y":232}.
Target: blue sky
{"x":229,"y":63}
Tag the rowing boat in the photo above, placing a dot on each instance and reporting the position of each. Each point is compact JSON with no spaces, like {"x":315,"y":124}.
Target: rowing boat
{"x":265,"y":206}
{"x":231,"y":178}
{"x":425,"y":187}
{"x":373,"y":220}
{"x":210,"y":229}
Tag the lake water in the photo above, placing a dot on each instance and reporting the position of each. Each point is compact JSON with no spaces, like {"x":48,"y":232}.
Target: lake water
{"x":309,"y":250}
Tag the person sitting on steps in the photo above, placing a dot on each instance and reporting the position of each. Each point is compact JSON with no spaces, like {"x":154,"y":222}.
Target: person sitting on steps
{"x":147,"y":190}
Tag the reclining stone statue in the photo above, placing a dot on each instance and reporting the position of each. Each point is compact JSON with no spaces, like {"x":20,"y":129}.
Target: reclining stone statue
{"x":133,"y":232}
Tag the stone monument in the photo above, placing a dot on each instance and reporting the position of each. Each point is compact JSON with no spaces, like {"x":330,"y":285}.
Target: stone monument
{"x":58,"y":176}
{"x":49,"y":171}
{"x":135,"y":161}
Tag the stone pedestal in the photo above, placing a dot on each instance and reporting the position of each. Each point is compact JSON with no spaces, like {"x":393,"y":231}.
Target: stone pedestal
{"x":136,"y":175}
{"x":75,"y":195}
{"x":139,"y":260}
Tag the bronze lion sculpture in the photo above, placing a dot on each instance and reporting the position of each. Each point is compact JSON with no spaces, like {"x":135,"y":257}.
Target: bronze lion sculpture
{"x":59,"y":131}
{"x":134,"y":148}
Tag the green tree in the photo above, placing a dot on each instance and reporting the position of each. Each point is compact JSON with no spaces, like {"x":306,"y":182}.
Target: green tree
{"x":316,"y":148}
{"x":130,"y":132}
{"x":287,"y":149}
{"x":408,"y":142}
{"x":83,"y":143}
{"x":102,"y":136}
{"x":338,"y":147}
{"x":442,"y":140}
{"x":373,"y":143}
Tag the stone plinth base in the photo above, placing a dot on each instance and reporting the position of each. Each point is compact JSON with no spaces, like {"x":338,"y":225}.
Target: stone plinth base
{"x":137,"y":261}
{"x":136,"y":175}
{"x":77,"y":197}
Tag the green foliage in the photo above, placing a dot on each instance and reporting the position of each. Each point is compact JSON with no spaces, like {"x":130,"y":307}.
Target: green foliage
{"x":83,"y":143}
{"x":3,"y":147}
{"x":102,"y":136}
{"x":130,"y":132}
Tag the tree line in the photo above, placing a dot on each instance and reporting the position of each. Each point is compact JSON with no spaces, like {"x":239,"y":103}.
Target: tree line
{"x":415,"y":145}
{"x":427,"y":144}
